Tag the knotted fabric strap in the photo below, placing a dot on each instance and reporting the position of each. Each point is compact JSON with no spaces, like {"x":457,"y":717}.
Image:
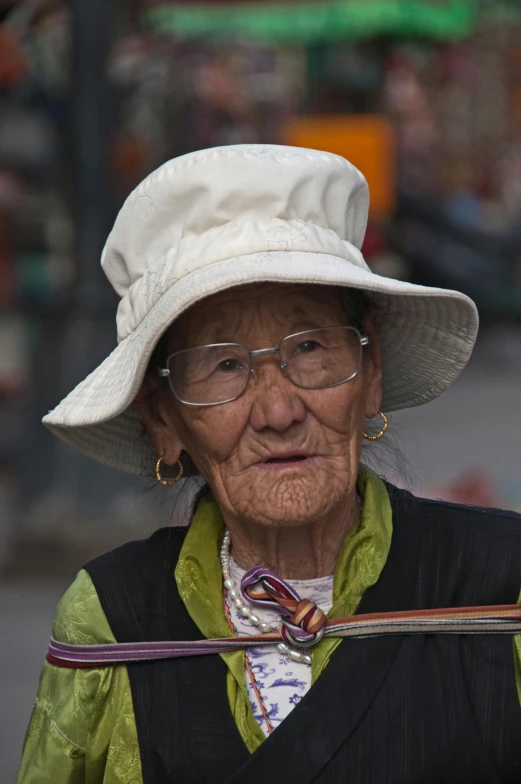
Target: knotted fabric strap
{"x":500,"y":619}
{"x":302,"y":621}
{"x":303,"y":624}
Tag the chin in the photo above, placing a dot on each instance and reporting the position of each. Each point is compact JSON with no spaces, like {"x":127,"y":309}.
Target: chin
{"x":288,"y":502}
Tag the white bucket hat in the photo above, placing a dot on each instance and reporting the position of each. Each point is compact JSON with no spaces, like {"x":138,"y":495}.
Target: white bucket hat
{"x":234,"y":215}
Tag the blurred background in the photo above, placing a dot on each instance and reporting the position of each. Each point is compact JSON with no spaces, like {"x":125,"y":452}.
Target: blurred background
{"x":423,"y":95}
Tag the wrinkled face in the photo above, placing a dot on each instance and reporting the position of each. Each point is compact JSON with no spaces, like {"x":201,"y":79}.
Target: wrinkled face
{"x":279,"y":455}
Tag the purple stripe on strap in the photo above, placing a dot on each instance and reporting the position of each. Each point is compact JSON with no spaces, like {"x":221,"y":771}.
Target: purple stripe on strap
{"x":465,"y":620}
{"x":144,"y":651}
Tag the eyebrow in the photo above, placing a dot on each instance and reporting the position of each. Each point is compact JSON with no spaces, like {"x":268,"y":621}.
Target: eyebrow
{"x":300,"y":321}
{"x":297,"y":327}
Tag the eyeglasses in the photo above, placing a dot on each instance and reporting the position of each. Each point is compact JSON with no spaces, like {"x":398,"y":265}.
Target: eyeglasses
{"x":219,"y":372}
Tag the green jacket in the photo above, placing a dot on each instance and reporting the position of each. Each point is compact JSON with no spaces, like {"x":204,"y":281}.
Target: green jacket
{"x":82,"y":729}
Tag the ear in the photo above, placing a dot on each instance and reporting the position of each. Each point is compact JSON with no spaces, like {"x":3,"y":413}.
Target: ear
{"x":372,"y":365}
{"x":156,"y":407}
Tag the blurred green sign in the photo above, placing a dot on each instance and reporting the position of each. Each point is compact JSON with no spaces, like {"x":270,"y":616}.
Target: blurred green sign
{"x":315,"y":21}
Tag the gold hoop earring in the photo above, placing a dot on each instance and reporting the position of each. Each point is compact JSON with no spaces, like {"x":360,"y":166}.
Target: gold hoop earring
{"x":168,"y":482}
{"x":382,"y":431}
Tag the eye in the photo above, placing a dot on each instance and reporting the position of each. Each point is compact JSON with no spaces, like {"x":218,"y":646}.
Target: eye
{"x":307,"y":346}
{"x":229,"y":366}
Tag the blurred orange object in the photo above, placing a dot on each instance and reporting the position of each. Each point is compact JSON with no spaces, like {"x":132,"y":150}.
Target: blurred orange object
{"x":367,"y":140}
{"x":475,"y":488}
{"x":13,"y":63}
{"x":129,"y":158}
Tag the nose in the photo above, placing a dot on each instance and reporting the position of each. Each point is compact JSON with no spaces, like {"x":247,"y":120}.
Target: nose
{"x":277,"y":403}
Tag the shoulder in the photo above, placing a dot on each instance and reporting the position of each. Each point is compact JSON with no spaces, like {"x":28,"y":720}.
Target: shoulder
{"x":133,"y":581}
{"x":467,"y":555}
{"x":141,"y":554}
{"x":436,"y":513}
{"x":79,"y":616}
{"x":496,"y":520}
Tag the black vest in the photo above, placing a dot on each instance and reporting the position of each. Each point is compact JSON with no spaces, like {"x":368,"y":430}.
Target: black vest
{"x":436,"y":709}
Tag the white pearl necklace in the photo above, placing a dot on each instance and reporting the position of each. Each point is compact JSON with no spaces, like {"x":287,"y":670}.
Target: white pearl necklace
{"x":246,"y":611}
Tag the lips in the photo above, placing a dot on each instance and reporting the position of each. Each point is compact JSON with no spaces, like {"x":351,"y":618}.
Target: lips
{"x":285,"y":458}
{"x":293,"y":459}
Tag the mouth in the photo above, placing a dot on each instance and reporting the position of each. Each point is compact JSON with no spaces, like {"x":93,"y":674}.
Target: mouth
{"x":286,"y":460}
{"x":296,"y":459}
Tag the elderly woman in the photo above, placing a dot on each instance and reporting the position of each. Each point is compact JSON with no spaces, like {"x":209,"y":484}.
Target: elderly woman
{"x":255,"y":349}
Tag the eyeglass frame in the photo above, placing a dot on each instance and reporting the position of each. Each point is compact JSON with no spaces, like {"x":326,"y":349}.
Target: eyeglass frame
{"x":263,"y":352}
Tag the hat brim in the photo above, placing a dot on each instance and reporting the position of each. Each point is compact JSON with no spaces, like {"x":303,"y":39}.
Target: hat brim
{"x":427,"y":336}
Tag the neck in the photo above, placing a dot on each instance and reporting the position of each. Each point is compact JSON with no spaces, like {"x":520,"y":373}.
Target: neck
{"x":298,"y":552}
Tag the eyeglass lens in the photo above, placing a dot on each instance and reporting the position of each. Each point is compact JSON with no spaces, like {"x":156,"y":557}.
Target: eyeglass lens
{"x":321,"y":358}
{"x":210,"y":374}
{"x":219,"y":373}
